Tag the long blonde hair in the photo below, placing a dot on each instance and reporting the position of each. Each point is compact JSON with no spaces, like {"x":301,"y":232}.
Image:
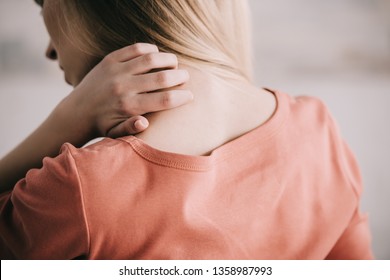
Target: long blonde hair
{"x":212,"y":35}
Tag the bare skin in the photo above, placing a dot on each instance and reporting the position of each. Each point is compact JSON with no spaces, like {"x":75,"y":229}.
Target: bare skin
{"x":219,"y":113}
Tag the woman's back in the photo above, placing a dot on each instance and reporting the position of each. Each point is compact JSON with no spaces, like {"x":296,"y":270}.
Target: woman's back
{"x":288,"y":189}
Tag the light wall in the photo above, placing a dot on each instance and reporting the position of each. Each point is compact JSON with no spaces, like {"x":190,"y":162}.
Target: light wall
{"x":338,"y":50}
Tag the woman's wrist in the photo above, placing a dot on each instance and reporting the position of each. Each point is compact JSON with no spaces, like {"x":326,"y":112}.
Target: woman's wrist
{"x":70,"y":122}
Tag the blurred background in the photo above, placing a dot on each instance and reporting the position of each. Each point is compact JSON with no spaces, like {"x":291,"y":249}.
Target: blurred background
{"x":338,"y":50}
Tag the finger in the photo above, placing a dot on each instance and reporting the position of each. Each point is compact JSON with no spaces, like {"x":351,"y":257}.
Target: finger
{"x":159,"y":101}
{"x":130,"y":126}
{"x":147,"y":62}
{"x":132,"y":51}
{"x":161,"y":80}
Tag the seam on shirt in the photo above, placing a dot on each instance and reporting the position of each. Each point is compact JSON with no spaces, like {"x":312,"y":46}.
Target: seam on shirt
{"x":346,"y":152}
{"x":147,"y":155}
{"x":82,"y":202}
{"x":353,"y":185}
{"x":165,"y":162}
{"x":354,"y":190}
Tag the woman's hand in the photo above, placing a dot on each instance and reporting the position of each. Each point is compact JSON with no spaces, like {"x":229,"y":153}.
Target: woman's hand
{"x":109,"y":101}
{"x":125,"y":85}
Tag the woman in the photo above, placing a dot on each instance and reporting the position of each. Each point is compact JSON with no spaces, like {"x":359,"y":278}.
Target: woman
{"x":239,"y":173}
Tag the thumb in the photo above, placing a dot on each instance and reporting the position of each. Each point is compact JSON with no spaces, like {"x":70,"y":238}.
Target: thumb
{"x":130,"y":126}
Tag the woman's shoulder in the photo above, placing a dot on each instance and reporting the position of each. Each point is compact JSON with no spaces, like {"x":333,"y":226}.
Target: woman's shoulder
{"x":99,"y":150}
{"x":306,"y":112}
{"x":313,"y":131}
{"x":301,"y":104}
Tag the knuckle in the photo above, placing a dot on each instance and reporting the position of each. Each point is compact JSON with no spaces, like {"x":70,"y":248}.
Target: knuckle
{"x":138,"y":49}
{"x":143,"y":48}
{"x":109,"y":58}
{"x":115,"y":87}
{"x":150,"y":59}
{"x":108,"y":65}
{"x":162,"y":79}
{"x":150,"y":47}
{"x":167,"y":99}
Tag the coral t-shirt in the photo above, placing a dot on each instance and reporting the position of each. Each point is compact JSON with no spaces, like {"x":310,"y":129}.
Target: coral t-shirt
{"x":289,"y":189}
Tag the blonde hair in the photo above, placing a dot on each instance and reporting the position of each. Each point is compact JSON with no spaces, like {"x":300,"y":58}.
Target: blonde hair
{"x":211,"y":35}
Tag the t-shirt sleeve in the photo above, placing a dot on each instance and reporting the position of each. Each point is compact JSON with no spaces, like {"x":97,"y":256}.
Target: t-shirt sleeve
{"x":355,"y":242}
{"x":43,"y":217}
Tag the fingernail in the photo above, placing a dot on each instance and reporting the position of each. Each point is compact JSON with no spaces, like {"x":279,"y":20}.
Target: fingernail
{"x":141,"y":124}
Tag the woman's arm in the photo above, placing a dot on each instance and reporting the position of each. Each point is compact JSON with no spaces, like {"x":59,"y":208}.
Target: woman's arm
{"x":355,"y":242}
{"x":108,"y":102}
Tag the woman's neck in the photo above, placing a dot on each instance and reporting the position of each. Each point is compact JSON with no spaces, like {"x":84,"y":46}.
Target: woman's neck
{"x":221,"y":111}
